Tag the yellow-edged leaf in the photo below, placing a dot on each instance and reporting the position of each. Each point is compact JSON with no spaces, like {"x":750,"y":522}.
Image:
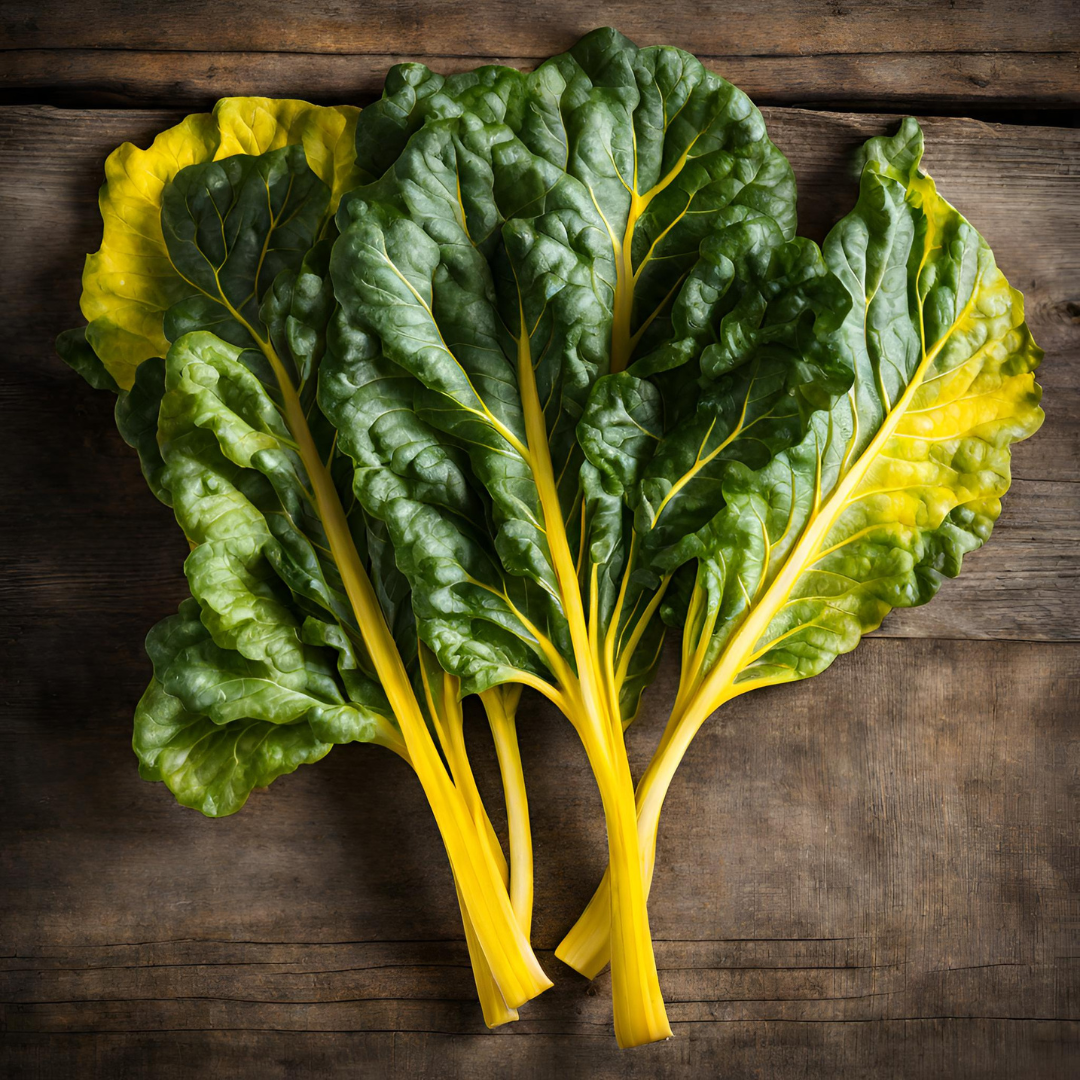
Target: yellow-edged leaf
{"x":130,"y":282}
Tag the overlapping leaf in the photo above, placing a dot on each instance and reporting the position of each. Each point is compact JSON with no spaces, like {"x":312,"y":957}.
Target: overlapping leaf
{"x":530,"y":234}
{"x":292,"y":647}
{"x":131,"y":282}
{"x":758,"y":351}
{"x":887,"y":491}
{"x":904,"y":475}
{"x":270,"y":663}
{"x":275,"y":665}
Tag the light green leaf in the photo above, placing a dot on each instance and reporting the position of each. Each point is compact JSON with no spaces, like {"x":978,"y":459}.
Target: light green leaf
{"x":210,"y":766}
{"x":904,"y":476}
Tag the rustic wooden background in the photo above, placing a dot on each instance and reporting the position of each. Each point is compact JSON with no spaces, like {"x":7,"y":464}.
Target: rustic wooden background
{"x":874,"y":874}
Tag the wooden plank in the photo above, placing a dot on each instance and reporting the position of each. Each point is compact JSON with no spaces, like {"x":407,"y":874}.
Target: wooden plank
{"x":878,"y":855}
{"x":899,"y":1050}
{"x":960,"y":82}
{"x":1019,"y":185}
{"x":967,"y":54}
{"x":504,"y":29}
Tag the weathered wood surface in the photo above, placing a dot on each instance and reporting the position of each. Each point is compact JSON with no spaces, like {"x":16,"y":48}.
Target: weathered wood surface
{"x":964,"y":53}
{"x":873,"y":874}
{"x":877,"y":872}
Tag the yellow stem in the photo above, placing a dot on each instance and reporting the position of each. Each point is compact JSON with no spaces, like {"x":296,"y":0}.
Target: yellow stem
{"x":587,"y":947}
{"x":492,"y":1004}
{"x":507,"y":950}
{"x":444,"y":707}
{"x":500,"y":713}
{"x":638,"y":1005}
{"x":494,"y":1008}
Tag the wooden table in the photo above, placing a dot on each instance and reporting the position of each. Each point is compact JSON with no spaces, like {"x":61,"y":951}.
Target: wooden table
{"x":872,"y":874}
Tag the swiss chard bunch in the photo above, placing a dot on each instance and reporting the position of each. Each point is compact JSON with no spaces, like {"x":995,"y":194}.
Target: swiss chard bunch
{"x":478,"y":389}
{"x":530,"y":239}
{"x":299,"y":634}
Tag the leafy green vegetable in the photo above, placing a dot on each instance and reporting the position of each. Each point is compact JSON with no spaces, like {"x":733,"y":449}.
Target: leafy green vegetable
{"x":131,"y":282}
{"x":479,"y":388}
{"x":212,"y":764}
{"x":888,"y":490}
{"x":297,"y":649}
{"x":529,"y":237}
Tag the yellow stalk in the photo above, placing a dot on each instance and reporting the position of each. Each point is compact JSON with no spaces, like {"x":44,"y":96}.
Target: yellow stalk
{"x":444,"y":707}
{"x":492,"y":1004}
{"x":638,"y":1005}
{"x":507,"y":950}
{"x":494,"y":1008}
{"x":500,"y":715}
{"x":587,"y":947}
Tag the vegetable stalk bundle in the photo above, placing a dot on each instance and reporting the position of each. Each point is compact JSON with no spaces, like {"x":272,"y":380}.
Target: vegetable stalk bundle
{"x":478,"y":389}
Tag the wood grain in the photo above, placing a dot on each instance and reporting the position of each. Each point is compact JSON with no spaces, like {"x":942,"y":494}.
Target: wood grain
{"x":894,"y":1050}
{"x":960,"y":82}
{"x":868,"y":849}
{"x":966,"y":52}
{"x":873,"y":874}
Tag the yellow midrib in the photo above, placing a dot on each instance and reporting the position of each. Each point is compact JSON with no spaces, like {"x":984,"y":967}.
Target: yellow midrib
{"x":742,"y":645}
{"x":587,"y":690}
{"x":376,"y":634}
{"x":623,"y":344}
{"x":484,"y":412}
{"x":623,"y":309}
{"x":622,"y":341}
{"x":455,"y":820}
{"x":700,"y":462}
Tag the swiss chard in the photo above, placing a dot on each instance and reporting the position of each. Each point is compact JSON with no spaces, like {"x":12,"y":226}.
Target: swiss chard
{"x":884,"y":496}
{"x":530,"y":237}
{"x":479,"y":388}
{"x":290,"y":648}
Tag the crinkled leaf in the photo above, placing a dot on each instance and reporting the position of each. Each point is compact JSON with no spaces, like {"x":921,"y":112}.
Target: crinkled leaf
{"x":270,"y":637}
{"x":131,"y":282}
{"x":775,"y":361}
{"x":759,"y":351}
{"x":904,"y":475}
{"x":209,"y":759}
{"x":231,"y":227}
{"x":531,"y":234}
{"x":212,"y":768}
